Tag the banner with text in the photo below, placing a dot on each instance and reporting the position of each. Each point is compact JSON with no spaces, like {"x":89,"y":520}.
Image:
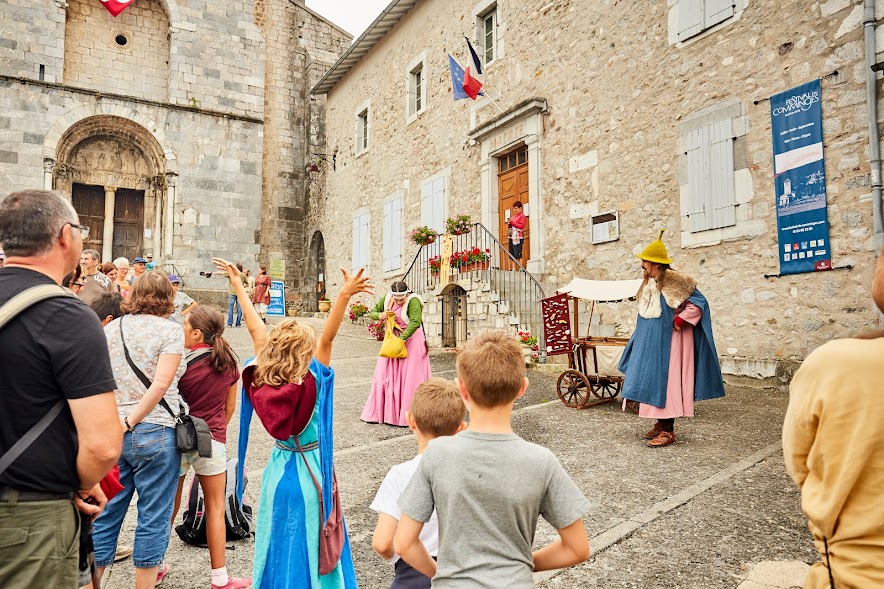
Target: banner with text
{"x":800,"y":179}
{"x":276,"y":307}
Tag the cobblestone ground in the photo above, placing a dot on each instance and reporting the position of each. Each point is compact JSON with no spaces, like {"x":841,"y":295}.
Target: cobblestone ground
{"x":701,"y":514}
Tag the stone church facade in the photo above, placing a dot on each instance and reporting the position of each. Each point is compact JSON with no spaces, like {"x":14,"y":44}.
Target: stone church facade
{"x":594,"y":106}
{"x":179,"y":128}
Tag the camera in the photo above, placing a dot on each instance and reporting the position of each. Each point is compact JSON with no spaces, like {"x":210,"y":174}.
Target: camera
{"x":209,"y":274}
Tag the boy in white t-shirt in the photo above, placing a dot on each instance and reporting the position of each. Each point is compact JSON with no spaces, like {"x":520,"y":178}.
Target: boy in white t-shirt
{"x":436,"y":410}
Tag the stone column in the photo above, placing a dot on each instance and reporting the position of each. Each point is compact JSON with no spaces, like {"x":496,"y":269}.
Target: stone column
{"x":535,"y":199}
{"x":110,"y":196}
{"x":48,"y":165}
{"x":169,"y":223}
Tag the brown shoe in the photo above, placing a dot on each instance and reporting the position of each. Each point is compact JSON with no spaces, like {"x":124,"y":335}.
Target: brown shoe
{"x":662,"y":439}
{"x":653,"y":432}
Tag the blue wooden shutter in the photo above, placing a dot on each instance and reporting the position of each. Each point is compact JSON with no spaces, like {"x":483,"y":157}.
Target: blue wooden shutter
{"x":439,"y":204}
{"x":711,"y":194}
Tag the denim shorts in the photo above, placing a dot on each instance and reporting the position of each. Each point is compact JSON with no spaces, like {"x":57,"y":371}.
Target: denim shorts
{"x":206,"y":467}
{"x":149,"y":465}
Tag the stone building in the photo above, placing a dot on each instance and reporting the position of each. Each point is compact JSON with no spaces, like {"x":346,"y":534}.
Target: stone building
{"x":178,"y":128}
{"x":594,"y":105}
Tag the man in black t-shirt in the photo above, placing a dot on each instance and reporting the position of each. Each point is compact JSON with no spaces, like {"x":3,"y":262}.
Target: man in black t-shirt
{"x":55,"y":350}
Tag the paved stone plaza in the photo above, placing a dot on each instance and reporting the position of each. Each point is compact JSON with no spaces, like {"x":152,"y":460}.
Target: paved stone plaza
{"x":710,"y":512}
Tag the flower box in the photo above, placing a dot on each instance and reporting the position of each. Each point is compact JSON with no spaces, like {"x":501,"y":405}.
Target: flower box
{"x":475,"y":266}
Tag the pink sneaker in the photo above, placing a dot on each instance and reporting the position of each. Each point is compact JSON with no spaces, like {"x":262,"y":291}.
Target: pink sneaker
{"x":234,"y":583}
{"x":161,"y":574}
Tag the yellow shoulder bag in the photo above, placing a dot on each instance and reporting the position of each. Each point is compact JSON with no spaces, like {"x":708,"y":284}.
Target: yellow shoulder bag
{"x":393,"y":346}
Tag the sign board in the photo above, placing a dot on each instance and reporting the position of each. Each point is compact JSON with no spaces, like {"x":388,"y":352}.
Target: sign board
{"x":605,"y":227}
{"x":445,"y":262}
{"x":277,"y":299}
{"x":800,"y":180}
{"x":277,"y":269}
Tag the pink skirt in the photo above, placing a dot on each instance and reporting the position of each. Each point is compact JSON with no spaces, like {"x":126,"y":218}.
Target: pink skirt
{"x":395,"y":381}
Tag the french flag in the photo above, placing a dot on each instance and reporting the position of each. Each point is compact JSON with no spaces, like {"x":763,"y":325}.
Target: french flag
{"x":474,"y":77}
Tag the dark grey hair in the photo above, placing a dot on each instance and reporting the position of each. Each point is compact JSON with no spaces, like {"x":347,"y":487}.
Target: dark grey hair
{"x":93,"y":254}
{"x":30,"y":221}
{"x":399,"y":288}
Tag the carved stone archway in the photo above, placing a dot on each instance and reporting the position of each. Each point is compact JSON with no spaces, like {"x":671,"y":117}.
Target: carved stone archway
{"x":113,"y":152}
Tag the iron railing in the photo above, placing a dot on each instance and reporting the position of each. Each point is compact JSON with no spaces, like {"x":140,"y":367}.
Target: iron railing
{"x":518,"y":293}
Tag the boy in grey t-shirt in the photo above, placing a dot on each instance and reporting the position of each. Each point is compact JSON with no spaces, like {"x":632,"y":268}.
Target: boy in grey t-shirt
{"x":488,"y":486}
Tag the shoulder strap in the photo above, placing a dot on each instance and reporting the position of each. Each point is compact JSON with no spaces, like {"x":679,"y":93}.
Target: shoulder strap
{"x":138,"y":372}
{"x":196,"y":355}
{"x":8,"y":311}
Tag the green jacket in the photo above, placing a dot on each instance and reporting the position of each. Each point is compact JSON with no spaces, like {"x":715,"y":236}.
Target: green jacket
{"x":415,"y":315}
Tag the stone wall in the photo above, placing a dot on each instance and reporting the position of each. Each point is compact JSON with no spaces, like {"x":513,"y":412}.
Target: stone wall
{"x":33,"y":36}
{"x":616,"y":91}
{"x":128,"y":54}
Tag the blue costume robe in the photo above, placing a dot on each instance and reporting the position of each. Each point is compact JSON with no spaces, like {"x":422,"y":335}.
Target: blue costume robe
{"x":645,"y":361}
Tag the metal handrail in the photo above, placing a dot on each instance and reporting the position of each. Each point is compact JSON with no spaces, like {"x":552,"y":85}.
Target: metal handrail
{"x":516,"y":288}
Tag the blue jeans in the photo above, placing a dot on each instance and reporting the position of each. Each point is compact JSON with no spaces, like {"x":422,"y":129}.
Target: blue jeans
{"x":232,"y":302}
{"x":149,"y":465}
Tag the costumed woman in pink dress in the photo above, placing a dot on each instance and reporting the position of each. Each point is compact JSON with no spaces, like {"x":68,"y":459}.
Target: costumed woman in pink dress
{"x":670,"y":360}
{"x":395,"y":380}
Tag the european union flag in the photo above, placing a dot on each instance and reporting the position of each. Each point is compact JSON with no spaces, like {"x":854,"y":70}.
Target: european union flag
{"x":457,"y":75}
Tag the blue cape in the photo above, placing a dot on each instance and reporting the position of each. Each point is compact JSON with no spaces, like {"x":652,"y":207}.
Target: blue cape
{"x":645,"y":361}
{"x":325,"y":379}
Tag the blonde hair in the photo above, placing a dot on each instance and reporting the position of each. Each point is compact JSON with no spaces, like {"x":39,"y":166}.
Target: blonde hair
{"x":492,"y":369}
{"x":286,"y":357}
{"x":437,"y":408}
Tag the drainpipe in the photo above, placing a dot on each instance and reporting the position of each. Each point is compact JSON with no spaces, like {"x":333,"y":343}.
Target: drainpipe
{"x":872,"y":104}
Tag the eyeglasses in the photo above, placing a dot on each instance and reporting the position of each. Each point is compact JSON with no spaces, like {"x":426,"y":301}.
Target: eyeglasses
{"x":84,"y":230}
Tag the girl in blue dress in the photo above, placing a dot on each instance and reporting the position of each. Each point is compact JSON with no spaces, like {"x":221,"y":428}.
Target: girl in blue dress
{"x":290,"y":386}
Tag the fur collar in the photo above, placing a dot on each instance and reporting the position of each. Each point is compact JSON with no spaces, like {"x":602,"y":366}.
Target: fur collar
{"x":677,"y":287}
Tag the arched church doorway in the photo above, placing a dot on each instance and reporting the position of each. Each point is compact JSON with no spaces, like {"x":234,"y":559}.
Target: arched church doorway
{"x":114,"y":171}
{"x":316,"y":267}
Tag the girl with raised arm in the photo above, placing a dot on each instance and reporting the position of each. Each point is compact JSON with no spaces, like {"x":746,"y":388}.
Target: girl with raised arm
{"x":290,"y":386}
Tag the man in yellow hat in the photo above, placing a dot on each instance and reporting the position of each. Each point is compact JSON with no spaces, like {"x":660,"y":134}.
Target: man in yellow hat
{"x":670,"y":360}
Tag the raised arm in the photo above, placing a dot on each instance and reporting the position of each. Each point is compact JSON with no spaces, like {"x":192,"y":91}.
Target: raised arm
{"x":353,"y":285}
{"x":256,"y":327}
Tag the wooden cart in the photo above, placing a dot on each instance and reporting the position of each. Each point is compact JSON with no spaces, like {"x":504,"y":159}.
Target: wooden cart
{"x":592,"y":377}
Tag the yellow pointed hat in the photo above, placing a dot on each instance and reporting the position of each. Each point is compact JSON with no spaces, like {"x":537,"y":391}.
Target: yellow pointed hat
{"x":656,"y":252}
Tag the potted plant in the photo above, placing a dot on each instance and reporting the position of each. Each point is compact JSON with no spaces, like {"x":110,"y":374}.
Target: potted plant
{"x":435,"y":265}
{"x":324,"y":304}
{"x":357,"y":310}
{"x":378,"y":329}
{"x":470,"y":260}
{"x":423,"y":235}
{"x":458,"y":225}
{"x":530,"y":348}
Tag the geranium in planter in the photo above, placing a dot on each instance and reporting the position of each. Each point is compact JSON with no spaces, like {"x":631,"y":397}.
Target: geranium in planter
{"x":423,"y":235}
{"x":378,"y":329}
{"x":357,"y":310}
{"x":435,"y":264}
{"x":474,"y":259}
{"x":458,"y":225}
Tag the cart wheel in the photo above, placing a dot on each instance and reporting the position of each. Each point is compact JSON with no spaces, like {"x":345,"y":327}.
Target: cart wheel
{"x":573,"y":388}
{"x":605,"y":389}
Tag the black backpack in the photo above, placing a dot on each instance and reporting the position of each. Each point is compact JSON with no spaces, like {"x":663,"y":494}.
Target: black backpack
{"x":237,"y":516}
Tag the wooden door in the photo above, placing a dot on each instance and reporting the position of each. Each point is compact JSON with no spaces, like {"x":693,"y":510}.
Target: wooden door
{"x":512,"y":185}
{"x":89,"y":204}
{"x":128,"y":224}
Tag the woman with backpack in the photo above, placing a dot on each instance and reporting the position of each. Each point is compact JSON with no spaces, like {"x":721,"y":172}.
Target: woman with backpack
{"x":209,"y":388}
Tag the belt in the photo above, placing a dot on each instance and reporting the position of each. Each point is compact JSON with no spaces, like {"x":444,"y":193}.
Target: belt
{"x":10,"y":494}
{"x":304,"y":447}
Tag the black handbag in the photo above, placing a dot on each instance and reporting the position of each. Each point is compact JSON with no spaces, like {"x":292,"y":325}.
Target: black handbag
{"x":192,"y":434}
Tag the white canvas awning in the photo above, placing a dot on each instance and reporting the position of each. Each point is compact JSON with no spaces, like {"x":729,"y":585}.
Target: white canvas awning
{"x":603,"y":291}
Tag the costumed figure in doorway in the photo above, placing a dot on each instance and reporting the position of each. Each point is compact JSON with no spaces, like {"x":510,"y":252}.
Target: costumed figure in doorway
{"x":395,"y":380}
{"x":670,"y":360}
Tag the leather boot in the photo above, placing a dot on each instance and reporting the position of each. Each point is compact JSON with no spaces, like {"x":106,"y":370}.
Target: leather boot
{"x":662,"y":439}
{"x":653,"y":432}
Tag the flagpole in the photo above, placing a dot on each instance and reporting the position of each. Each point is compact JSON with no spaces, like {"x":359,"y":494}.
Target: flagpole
{"x":485,"y":75}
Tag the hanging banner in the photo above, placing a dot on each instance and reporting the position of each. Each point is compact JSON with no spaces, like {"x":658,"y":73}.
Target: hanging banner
{"x":277,"y":299}
{"x":800,"y":179}
{"x":115,"y":7}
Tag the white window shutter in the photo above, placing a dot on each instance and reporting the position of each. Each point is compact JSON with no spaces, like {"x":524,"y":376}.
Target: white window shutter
{"x":716,"y":11}
{"x":721,"y":182}
{"x":690,"y":18}
{"x":696,"y":181}
{"x":356,"y":253}
{"x":363,"y":235}
{"x":427,"y":204}
{"x":439,"y":204}
{"x":388,"y":236}
{"x":396,"y":234}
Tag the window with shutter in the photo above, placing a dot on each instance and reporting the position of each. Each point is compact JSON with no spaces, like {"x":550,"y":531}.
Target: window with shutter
{"x":363,"y":131}
{"x":393,"y":235}
{"x":433,"y":203}
{"x":360,"y":240}
{"x":695,"y":16}
{"x":710,"y":165}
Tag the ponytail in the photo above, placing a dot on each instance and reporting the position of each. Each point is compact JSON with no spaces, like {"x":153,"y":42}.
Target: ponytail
{"x":211,"y":323}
